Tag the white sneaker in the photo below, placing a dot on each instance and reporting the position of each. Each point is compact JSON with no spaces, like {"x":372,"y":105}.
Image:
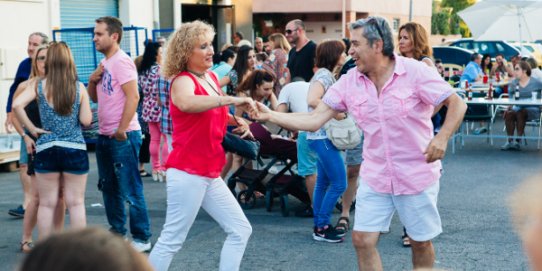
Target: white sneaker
{"x":162,"y":176}
{"x":155,"y":175}
{"x":141,"y":247}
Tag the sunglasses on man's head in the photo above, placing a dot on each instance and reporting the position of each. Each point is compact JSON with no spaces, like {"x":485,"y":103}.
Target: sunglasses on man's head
{"x":290,"y":31}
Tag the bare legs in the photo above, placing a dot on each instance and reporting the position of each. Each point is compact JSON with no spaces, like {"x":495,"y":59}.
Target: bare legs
{"x":31,"y":212}
{"x":25,"y":182}
{"x":365,"y":245}
{"x":423,"y":254}
{"x":310,"y":182}
{"x":350,"y":193}
{"x":515,"y":120}
{"x":48,"y":188}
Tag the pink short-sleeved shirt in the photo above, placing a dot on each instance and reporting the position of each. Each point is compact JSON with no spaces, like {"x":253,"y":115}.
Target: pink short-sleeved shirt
{"x":119,"y":69}
{"x":397,"y":124}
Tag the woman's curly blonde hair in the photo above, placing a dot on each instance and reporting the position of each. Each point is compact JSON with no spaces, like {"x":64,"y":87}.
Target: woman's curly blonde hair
{"x":182,"y":42}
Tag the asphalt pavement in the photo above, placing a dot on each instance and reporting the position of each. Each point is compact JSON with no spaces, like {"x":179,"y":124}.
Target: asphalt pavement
{"x":477,"y":231}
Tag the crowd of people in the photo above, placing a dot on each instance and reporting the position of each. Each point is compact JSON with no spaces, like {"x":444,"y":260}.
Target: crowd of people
{"x":173,"y":106}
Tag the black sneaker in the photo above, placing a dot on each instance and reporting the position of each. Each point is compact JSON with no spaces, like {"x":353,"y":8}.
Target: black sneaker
{"x":327,"y":234}
{"x":18,"y":212}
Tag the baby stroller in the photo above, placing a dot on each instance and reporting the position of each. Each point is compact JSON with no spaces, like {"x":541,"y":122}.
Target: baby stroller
{"x":275,"y":151}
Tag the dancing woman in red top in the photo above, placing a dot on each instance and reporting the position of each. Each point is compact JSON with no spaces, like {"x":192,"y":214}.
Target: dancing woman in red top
{"x":199,"y":114}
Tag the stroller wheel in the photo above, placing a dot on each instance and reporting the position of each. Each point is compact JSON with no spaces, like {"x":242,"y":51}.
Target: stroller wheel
{"x":269,"y":200}
{"x":284,"y":205}
{"x":339,"y":205}
{"x":247,"y":199}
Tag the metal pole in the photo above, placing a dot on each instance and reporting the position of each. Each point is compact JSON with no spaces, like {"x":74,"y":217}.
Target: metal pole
{"x":344,"y":19}
{"x":410,"y":12}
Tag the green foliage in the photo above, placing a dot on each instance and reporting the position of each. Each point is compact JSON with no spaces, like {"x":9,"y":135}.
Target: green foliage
{"x":457,"y":5}
{"x":440,"y":23}
{"x":445,"y":20}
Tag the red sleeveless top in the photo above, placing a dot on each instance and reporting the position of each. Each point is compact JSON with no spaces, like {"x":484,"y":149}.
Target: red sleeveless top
{"x":197,"y":137}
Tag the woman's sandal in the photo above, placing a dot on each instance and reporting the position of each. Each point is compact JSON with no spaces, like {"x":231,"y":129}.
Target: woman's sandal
{"x":406,"y":240}
{"x":343,"y":225}
{"x":26,"y":246}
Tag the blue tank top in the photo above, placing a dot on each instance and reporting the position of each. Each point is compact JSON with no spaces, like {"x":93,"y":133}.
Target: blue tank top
{"x":65,"y":130}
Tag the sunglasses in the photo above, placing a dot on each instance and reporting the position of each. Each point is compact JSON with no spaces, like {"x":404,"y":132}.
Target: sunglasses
{"x":290,"y":31}
{"x":374,"y":21}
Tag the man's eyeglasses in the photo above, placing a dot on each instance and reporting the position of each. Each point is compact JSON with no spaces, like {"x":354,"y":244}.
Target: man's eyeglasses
{"x":290,"y":31}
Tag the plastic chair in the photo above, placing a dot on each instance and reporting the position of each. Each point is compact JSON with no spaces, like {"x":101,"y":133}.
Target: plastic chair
{"x":535,"y":123}
{"x":499,"y":108}
{"x":477,"y":113}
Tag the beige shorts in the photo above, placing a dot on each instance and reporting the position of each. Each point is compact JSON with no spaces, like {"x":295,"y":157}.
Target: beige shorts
{"x":418,"y":213}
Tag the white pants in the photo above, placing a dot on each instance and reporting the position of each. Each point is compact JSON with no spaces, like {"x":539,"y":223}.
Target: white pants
{"x":185,"y":194}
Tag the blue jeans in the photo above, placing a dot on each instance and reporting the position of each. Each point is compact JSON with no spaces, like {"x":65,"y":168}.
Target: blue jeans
{"x":330,"y":181}
{"x":120,"y":182}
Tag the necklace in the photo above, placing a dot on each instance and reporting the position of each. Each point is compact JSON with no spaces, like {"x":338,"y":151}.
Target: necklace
{"x":204,"y":78}
{"x":197,"y":74}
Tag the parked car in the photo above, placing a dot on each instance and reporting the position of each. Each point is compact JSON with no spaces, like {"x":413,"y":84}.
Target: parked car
{"x":452,"y":55}
{"x":488,"y":47}
{"x":531,"y":49}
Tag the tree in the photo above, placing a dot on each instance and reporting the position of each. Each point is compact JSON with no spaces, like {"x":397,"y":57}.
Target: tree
{"x":445,"y":20}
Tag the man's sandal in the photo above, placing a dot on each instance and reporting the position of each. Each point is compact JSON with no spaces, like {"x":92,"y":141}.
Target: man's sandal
{"x":26,"y":246}
{"x":343,"y":225}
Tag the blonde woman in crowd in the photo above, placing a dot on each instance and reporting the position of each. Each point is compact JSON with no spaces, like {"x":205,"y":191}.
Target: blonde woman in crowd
{"x":278,"y":60}
{"x":199,"y":112}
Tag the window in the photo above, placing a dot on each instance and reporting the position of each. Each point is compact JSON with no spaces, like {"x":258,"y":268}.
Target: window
{"x":396,"y":24}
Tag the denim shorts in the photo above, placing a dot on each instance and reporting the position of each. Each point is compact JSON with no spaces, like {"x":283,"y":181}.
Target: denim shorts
{"x":354,"y":156}
{"x":60,"y":159}
{"x":306,"y":157}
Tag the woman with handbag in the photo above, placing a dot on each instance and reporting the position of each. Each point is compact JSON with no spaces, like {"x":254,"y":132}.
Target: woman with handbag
{"x":331,"y":176}
{"x":199,"y":114}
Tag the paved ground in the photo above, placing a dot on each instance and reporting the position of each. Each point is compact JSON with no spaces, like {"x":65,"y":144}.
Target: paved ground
{"x":477,"y":231}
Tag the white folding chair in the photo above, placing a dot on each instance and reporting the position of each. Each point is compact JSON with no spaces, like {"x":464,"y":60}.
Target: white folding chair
{"x":535,"y":123}
{"x":499,"y":108}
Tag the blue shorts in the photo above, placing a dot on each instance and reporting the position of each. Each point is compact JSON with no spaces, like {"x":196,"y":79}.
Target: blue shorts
{"x":23,"y":154}
{"x":354,"y":156}
{"x":306,"y":157}
{"x":60,"y":159}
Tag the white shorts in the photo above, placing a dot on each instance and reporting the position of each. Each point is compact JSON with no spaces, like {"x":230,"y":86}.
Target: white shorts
{"x":418,"y":213}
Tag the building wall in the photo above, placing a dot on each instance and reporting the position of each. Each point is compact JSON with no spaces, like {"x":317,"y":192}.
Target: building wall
{"x":19,"y":18}
{"x":14,"y":33}
{"x":289,"y":6}
{"x":310,"y":10}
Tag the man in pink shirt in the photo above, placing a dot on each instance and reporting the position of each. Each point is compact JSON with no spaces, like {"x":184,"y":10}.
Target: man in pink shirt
{"x":114,"y":86}
{"x":392,"y":99}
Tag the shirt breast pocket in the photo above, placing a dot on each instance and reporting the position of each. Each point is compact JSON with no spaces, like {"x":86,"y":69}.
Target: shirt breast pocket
{"x":401,"y":102}
{"x":360,"y":109}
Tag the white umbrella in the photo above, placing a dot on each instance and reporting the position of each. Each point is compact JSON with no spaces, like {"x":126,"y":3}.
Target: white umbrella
{"x":504,"y":19}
